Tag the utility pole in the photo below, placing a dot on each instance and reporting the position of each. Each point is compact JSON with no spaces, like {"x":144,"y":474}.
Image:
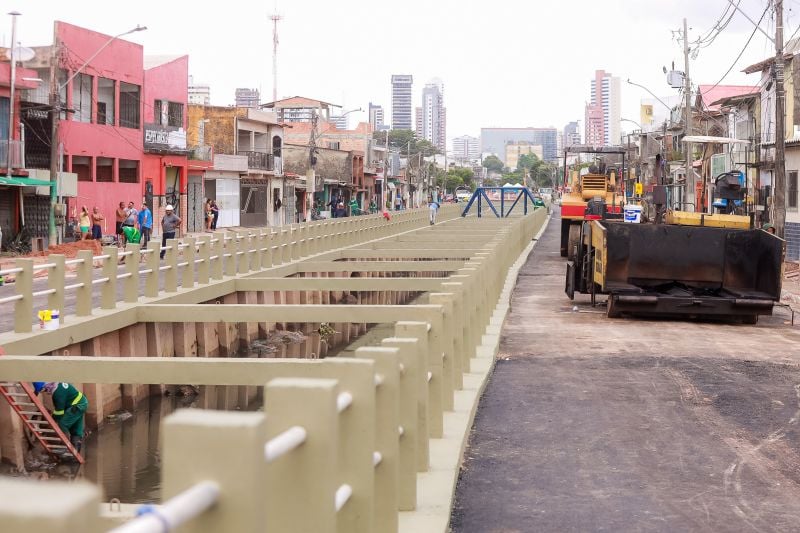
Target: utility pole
{"x":55,"y":117}
{"x":779,"y":212}
{"x":690,"y":182}
{"x":275,"y":18}
{"x":11,"y":127}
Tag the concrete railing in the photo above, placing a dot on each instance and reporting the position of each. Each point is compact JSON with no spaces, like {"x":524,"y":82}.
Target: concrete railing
{"x":341,"y":442}
{"x":197,"y":261}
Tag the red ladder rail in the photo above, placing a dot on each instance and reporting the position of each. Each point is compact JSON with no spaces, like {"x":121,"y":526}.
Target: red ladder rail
{"x":37,"y":419}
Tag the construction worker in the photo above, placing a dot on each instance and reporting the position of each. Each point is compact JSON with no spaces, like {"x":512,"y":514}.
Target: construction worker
{"x":69,"y":408}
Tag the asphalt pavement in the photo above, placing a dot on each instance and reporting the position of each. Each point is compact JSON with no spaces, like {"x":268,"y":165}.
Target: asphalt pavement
{"x":594,"y":424}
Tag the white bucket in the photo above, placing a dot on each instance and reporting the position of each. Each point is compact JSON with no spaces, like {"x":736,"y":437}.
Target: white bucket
{"x":633,"y":213}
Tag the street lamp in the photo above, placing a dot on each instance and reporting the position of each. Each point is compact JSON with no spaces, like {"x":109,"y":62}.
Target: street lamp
{"x":55,"y":103}
{"x":651,"y":93}
{"x":632,"y":122}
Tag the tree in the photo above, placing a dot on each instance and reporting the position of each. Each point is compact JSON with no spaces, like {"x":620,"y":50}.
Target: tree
{"x":406,"y":142}
{"x":493,"y":164}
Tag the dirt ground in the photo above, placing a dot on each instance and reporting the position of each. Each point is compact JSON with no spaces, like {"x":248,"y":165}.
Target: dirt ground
{"x":593,"y":424}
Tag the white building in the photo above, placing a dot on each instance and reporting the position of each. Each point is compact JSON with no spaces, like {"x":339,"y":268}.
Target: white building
{"x":401,"y":101}
{"x":198,"y":93}
{"x":466,"y":148}
{"x":376,"y":117}
{"x":434,"y":117}
{"x":603,"y":110}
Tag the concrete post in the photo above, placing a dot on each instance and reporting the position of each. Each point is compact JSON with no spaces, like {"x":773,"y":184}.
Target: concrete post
{"x":23,"y":309}
{"x":108,"y":292}
{"x":171,"y":260}
{"x":426,"y":412}
{"x":56,"y":281}
{"x":187,"y":272}
{"x":153,"y":262}
{"x":266,"y":253}
{"x":203,"y":267}
{"x":131,"y":284}
{"x":254,"y":251}
{"x":307,"y":503}
{"x":409,"y":388}
{"x":387,"y":433}
{"x":217,"y":251}
{"x":28,"y":506}
{"x":460,"y":335}
{"x":453,"y":378}
{"x":83,"y":295}
{"x":227,"y":449}
{"x":229,"y":256}
{"x":242,"y":257}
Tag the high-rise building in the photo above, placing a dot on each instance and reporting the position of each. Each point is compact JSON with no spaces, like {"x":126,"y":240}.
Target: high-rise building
{"x":376,"y":117}
{"x":248,"y":98}
{"x":434,"y":121}
{"x":571,"y":135}
{"x":494,"y":140}
{"x":603,"y":110}
{"x":418,"y":121}
{"x":199,"y":94}
{"x":401,"y":101}
{"x":466,"y":148}
{"x":340,"y":121}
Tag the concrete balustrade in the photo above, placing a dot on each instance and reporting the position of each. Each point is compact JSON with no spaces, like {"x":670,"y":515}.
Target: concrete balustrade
{"x":344,"y":444}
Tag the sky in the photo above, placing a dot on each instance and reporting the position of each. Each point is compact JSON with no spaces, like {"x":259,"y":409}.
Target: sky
{"x":504,"y":63}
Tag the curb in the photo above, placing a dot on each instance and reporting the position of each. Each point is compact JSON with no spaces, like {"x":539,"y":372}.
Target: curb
{"x":436,"y":488}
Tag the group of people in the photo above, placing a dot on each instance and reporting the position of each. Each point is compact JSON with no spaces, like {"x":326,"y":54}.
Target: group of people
{"x":212,"y":214}
{"x":136,"y":225}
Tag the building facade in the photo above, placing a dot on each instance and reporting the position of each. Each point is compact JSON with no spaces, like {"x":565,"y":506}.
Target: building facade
{"x":248,"y":98}
{"x":466,"y":148}
{"x":571,"y":135}
{"x":376,"y":117}
{"x":494,"y":140}
{"x":602,"y":114}
{"x":302,"y":109}
{"x":433,"y":115}
{"x":199,"y":94}
{"x":402,"y":85}
{"x":515,"y":150}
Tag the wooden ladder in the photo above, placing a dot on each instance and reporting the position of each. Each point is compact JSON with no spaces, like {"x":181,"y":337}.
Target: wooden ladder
{"x":34,"y":415}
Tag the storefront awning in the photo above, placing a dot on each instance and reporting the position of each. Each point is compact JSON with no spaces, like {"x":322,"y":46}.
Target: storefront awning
{"x":392,"y":185}
{"x":25,"y":182}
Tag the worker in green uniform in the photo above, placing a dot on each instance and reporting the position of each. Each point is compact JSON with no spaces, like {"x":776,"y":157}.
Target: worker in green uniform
{"x":69,"y":408}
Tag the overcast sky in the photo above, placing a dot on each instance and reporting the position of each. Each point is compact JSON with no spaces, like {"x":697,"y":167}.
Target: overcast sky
{"x":509,"y":63}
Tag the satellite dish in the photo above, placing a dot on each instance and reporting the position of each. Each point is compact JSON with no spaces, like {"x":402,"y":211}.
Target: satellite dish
{"x":23,"y":53}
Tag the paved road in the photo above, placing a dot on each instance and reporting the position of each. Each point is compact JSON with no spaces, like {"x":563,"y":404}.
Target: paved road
{"x":591,"y":424}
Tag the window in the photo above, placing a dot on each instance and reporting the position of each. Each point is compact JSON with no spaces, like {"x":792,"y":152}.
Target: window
{"x":106,"y":93}
{"x":82,"y":166}
{"x":82,"y":98}
{"x":128,"y":171}
{"x":175,"y":115}
{"x":791,"y":191}
{"x":129,"y":98}
{"x":104,"y":169}
{"x":158,"y":116}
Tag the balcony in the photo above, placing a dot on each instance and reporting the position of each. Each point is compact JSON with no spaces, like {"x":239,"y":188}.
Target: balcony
{"x":259,"y":160}
{"x":17,"y":154}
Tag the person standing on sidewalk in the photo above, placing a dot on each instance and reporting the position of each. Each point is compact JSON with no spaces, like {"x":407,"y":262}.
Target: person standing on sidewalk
{"x":97,"y":218}
{"x":145,"y":224}
{"x":169,"y":224}
{"x":120,"y":218}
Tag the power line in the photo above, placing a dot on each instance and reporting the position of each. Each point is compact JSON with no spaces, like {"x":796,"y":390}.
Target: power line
{"x":738,"y":57}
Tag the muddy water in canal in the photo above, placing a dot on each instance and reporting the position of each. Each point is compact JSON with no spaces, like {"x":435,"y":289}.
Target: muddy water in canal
{"x":123,"y":457}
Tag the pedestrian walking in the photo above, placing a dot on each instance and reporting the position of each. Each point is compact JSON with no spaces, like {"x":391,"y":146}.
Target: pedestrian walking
{"x":169,"y":224}
{"x":97,"y":218}
{"x":145,"y":224}
{"x":433,"y":208}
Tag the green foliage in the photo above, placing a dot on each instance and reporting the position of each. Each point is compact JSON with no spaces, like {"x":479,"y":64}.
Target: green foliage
{"x":406,"y":142}
{"x":493,"y":164}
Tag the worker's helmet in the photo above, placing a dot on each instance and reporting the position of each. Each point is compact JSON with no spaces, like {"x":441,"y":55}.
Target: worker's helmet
{"x":38,"y":386}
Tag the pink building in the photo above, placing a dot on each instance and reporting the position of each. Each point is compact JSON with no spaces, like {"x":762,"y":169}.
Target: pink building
{"x":123,"y":131}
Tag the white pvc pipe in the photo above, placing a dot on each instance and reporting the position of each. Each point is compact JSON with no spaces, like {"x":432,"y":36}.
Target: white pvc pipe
{"x":376,"y":458}
{"x":378,"y":380}
{"x":343,"y":401}
{"x":284,"y":443}
{"x":176,"y":511}
{"x":343,"y":494}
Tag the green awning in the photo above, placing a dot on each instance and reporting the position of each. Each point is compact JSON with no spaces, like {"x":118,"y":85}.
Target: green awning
{"x":25,"y":182}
